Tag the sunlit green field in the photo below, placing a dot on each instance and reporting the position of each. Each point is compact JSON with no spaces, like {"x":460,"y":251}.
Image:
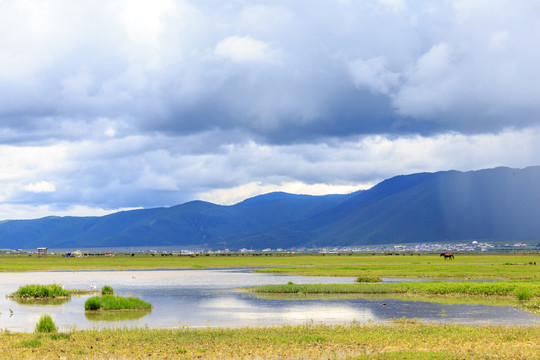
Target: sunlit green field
{"x":401,"y":339}
{"x":467,"y":266}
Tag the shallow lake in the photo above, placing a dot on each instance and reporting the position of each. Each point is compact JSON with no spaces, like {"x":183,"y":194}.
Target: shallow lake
{"x":202,"y":298}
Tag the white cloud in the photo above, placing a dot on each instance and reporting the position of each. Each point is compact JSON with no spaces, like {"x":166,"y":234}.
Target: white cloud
{"x":23,"y":211}
{"x":110,"y":132}
{"x":372,"y":73}
{"x":499,"y":40}
{"x":102,"y":176}
{"x":432,"y":86}
{"x":236,"y":194}
{"x":396,"y":5}
{"x":40,"y":187}
{"x":244,"y":49}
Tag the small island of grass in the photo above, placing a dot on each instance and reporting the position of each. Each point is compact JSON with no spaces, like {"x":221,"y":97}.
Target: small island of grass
{"x":368,"y":279}
{"x":36,"y":291}
{"x":46,"y":292}
{"x":111,"y":302}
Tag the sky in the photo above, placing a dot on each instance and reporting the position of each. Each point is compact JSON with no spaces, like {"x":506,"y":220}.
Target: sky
{"x":108,"y":105}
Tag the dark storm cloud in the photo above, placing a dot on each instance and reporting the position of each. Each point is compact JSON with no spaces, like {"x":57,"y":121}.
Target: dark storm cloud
{"x":113,"y":104}
{"x":281,"y":70}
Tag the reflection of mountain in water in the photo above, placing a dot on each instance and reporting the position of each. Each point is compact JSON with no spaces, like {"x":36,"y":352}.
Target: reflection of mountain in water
{"x":115,"y":315}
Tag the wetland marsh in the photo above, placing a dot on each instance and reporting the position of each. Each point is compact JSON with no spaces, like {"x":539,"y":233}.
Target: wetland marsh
{"x":212,"y":298}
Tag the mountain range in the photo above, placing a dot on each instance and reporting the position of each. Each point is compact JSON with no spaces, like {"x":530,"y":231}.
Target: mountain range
{"x":491,"y":204}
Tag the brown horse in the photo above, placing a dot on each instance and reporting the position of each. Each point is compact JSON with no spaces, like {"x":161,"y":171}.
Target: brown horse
{"x":447,"y":256}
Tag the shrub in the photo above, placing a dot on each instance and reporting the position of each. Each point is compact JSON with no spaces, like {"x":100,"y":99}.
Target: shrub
{"x":107,"y":290}
{"x":46,"y":324}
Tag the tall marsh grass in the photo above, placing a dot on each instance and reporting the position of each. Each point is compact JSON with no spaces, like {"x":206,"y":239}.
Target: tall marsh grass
{"x":499,"y":288}
{"x":110,"y":302}
{"x":41,"y":291}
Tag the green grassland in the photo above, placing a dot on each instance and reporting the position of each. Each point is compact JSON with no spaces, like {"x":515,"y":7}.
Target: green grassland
{"x":499,"y":266}
{"x":400,"y":339}
{"x":466,"y":266}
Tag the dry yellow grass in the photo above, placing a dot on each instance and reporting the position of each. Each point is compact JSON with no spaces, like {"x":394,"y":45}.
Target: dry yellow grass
{"x":398,"y":340}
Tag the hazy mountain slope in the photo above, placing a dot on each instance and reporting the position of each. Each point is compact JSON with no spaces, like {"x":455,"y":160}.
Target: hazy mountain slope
{"x":192,"y":223}
{"x":497,"y":203}
{"x":488,"y":204}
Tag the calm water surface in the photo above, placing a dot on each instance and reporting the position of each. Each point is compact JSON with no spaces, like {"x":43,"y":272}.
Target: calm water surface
{"x":202,"y":298}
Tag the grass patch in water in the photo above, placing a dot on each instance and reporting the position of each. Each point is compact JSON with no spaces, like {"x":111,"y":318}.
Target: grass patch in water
{"x":52,"y":294}
{"x":502,"y":288}
{"x":368,"y":279}
{"x":110,"y":302}
{"x":37,"y":291}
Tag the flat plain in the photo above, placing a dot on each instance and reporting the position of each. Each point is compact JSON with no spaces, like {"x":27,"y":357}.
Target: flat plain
{"x":397,"y":339}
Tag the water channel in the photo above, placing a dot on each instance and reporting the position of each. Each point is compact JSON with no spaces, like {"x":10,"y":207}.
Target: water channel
{"x":210,"y":298}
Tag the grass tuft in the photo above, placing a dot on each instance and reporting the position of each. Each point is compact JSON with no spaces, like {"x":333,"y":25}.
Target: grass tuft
{"x":524,"y":294}
{"x":60,"y":336}
{"x":34,"y":343}
{"x":107,"y":290}
{"x":46,"y":324}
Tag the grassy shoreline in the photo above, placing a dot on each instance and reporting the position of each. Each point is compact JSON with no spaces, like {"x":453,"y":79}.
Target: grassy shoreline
{"x":399,"y":339}
{"x":502,"y":288}
{"x":525,"y":295}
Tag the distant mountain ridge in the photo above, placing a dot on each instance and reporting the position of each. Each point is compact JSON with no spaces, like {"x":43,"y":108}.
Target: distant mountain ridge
{"x":496,"y":204}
